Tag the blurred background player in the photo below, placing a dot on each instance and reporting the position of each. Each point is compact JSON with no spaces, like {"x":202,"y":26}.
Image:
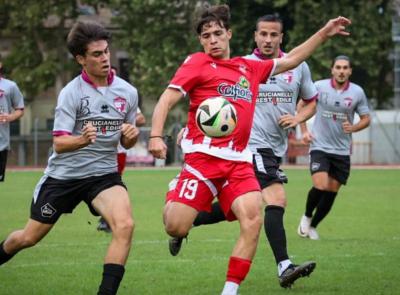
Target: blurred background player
{"x":87,"y":129}
{"x":330,"y":139}
{"x":274,"y":116}
{"x":11,"y":109}
{"x":221,"y":166}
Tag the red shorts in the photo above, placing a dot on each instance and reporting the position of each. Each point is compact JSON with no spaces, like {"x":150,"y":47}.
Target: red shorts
{"x":204,"y":177}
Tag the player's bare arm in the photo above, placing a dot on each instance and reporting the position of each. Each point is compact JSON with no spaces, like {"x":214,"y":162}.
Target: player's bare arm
{"x":167,"y":100}
{"x":300,"y":53}
{"x":6,"y":117}
{"x":129,"y":135}
{"x":69,"y":143}
{"x":305,"y":110}
{"x":363,"y":123}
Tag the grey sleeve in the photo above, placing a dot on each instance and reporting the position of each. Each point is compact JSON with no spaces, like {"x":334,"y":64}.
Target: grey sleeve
{"x":17,"y":99}
{"x":130,"y":116}
{"x":65,"y":114}
{"x":362,"y":106}
{"x":307,"y":87}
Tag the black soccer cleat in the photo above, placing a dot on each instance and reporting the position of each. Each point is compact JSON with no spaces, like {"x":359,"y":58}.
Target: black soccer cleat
{"x":103,"y":225}
{"x":175,"y":245}
{"x":294,"y":272}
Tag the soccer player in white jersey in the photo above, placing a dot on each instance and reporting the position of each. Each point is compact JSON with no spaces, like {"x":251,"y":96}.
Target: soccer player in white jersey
{"x":11,"y":109}
{"x":222,"y":166}
{"x":274,"y":116}
{"x":95,"y":111}
{"x":330,"y":138}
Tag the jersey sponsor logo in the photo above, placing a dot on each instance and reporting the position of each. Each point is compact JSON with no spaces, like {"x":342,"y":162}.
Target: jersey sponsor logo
{"x":238,"y":91}
{"x":334,"y":115}
{"x":275,"y":97}
{"x":84,"y":107}
{"x":120,"y":104}
{"x":47,"y":210}
{"x":103,"y":126}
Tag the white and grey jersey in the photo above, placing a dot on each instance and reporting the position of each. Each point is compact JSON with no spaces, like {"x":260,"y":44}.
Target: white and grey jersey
{"x":333,"y":108}
{"x":10,"y":99}
{"x":78,"y":103}
{"x":277,"y":97}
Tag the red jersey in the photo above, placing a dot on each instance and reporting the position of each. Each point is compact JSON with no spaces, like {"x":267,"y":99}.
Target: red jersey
{"x":236,"y":79}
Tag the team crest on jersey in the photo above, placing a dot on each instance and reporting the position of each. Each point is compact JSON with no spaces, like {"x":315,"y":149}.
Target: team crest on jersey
{"x":288,"y":76}
{"x":348,"y":101}
{"x":238,"y":91}
{"x":120,"y":104}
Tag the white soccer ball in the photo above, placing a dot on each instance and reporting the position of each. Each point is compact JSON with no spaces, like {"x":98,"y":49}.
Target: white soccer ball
{"x":216,"y":117}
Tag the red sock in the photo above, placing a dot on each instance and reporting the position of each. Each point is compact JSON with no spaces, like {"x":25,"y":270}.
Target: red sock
{"x":237,"y":269}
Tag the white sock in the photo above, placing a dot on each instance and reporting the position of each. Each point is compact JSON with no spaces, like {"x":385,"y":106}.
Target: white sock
{"x":283,"y":265}
{"x":230,"y":288}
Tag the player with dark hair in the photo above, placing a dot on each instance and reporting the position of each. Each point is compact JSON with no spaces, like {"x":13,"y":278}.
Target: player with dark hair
{"x":222,"y":166}
{"x":95,"y":111}
{"x":274,"y":116}
{"x":330,"y":141}
{"x":11,"y":109}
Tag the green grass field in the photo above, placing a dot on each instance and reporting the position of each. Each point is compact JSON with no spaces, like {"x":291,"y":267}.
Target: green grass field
{"x":359,"y":250}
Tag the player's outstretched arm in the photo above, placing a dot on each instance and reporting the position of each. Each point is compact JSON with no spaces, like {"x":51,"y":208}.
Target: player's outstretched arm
{"x":167,"y":100}
{"x":300,"y":53}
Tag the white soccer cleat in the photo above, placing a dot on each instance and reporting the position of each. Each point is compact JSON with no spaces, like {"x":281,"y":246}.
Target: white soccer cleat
{"x":313,"y":234}
{"x":304,"y":226}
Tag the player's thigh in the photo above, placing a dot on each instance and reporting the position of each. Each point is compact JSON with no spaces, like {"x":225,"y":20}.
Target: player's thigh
{"x":113,"y":204}
{"x":247,"y":207}
{"x":274,"y":194}
{"x":320,"y":180}
{"x":319,"y":169}
{"x":179,"y":217}
{"x":333,"y":185}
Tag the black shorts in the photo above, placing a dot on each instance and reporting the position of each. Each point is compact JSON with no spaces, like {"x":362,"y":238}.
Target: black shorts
{"x":337,"y":166}
{"x":266,"y":167}
{"x":3,"y":164}
{"x":53,"y":197}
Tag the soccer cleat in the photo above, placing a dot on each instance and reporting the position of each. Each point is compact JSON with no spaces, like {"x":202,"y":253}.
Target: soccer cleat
{"x":313,"y":234}
{"x":304,"y":226}
{"x":294,"y":272}
{"x":175,"y":245}
{"x":103,"y":225}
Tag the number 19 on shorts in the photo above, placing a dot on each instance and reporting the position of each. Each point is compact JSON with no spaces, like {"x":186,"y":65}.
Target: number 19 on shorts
{"x":189,"y":188}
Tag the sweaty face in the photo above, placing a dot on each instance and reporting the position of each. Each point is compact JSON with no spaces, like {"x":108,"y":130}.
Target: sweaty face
{"x":96,"y":61}
{"x":268,"y":38}
{"x":341,"y":71}
{"x":215,"y":40}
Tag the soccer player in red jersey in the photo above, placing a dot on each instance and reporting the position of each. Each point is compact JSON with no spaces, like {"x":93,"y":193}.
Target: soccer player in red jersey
{"x":222,"y":166}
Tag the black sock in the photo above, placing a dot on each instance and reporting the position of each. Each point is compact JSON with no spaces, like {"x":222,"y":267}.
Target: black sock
{"x":4,"y":257}
{"x":314,"y":196}
{"x":112,"y":276}
{"x":323,"y":208}
{"x":275,"y":232}
{"x":216,"y":215}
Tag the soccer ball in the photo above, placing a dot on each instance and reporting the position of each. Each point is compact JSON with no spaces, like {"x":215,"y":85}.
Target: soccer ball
{"x":216,"y":117}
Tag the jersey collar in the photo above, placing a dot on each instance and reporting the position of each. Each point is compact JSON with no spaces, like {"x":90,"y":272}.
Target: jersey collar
{"x":86,"y":78}
{"x":258,"y":53}
{"x":346,"y":86}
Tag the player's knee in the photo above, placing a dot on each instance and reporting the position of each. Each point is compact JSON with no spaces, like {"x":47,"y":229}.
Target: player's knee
{"x":174,"y":229}
{"x":124,"y":226}
{"x":252,"y":222}
{"x":28,"y":241}
{"x":280,"y":201}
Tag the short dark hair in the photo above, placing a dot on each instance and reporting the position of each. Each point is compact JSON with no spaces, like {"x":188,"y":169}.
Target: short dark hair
{"x":217,"y":13}
{"x":274,"y":18}
{"x":341,"y":57}
{"x":82,"y":33}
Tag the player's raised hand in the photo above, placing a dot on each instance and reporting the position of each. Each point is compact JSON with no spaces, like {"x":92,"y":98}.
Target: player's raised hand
{"x":89,"y":133}
{"x":288,"y":121}
{"x":157,"y":147}
{"x":347,"y":127}
{"x":336,"y":26}
{"x":129,"y":131}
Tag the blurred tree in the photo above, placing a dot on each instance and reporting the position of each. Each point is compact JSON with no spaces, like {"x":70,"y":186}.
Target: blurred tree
{"x":37,"y":28}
